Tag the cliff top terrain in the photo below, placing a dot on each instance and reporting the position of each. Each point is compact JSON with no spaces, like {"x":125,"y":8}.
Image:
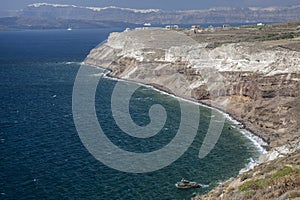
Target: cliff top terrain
{"x":276,"y":34}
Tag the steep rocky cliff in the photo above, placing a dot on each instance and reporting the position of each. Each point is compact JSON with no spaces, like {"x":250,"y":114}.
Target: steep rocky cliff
{"x":259,"y":79}
{"x":257,"y":82}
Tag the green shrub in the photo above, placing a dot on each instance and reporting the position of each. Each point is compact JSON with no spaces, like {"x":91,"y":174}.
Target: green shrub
{"x":284,"y":171}
{"x":245,"y":176}
{"x":254,"y":184}
{"x":261,"y":183}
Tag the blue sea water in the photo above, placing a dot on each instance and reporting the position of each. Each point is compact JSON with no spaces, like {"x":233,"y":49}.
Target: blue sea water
{"x":42,"y":156}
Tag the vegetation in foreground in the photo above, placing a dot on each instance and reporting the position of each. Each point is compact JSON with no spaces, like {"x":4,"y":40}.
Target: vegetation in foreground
{"x":277,"y":179}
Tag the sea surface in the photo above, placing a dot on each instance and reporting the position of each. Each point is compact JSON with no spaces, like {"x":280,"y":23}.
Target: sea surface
{"x":42,"y":156}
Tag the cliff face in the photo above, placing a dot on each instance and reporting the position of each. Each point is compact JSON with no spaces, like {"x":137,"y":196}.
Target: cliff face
{"x":259,"y":80}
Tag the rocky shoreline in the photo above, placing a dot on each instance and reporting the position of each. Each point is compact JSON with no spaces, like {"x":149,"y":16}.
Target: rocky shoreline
{"x":262,"y":146}
{"x":256,"y":81}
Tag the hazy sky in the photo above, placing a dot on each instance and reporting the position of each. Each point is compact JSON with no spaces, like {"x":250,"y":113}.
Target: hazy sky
{"x":162,"y":4}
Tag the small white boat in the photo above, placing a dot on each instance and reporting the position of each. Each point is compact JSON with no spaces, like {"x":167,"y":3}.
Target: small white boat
{"x":184,"y":184}
{"x":69,"y":29}
{"x":147,"y":24}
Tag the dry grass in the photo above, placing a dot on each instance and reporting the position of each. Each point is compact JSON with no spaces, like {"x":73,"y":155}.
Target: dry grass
{"x":278,"y":179}
{"x":275,"y":32}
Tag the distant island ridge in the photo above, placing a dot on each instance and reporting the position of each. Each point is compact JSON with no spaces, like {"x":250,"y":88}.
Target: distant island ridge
{"x":60,"y":16}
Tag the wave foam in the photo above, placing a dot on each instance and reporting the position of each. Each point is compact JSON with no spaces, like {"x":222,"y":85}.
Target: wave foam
{"x":257,"y":141}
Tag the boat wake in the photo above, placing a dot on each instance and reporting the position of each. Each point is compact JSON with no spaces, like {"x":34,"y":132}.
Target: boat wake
{"x":72,"y":63}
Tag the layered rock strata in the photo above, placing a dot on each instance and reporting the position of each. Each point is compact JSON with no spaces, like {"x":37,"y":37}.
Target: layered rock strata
{"x":259,"y":81}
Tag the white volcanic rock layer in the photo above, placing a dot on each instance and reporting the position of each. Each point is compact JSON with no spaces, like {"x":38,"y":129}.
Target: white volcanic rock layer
{"x":260,"y":82}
